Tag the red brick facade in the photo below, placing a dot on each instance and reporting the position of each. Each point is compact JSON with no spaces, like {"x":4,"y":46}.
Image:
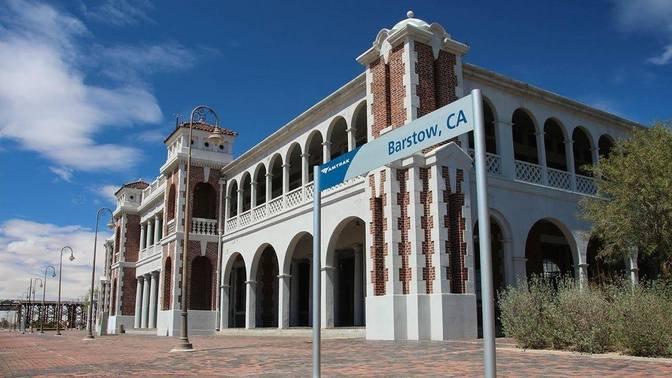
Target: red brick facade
{"x":132,"y":238}
{"x":456,"y":246}
{"x":211,"y":254}
{"x":167,"y":272}
{"x":403,"y":225}
{"x":128,"y":288}
{"x":378,"y":226}
{"x":388,"y":91}
{"x":427,"y":223}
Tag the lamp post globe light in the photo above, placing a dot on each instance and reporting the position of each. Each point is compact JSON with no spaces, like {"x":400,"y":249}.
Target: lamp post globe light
{"x":44,"y":293}
{"x":60,"y":276}
{"x":30,"y":302}
{"x":216,"y":137}
{"x":100,"y":212}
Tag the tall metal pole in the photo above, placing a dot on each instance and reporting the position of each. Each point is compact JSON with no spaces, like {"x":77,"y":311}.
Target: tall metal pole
{"x":43,"y":309}
{"x":93,"y":272}
{"x":317,"y":237}
{"x":60,"y":276}
{"x":33,"y":301}
{"x":487,"y":297}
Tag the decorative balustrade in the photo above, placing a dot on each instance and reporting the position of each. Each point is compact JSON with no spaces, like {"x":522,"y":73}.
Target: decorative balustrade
{"x":559,"y":179}
{"x":150,"y":251}
{"x":309,"y":191}
{"x":275,"y":205}
{"x":153,"y":188}
{"x":203,"y":226}
{"x":231,"y":224}
{"x":528,"y":172}
{"x":493,"y":162}
{"x":585,"y":185}
{"x":294,"y":197}
{"x":245,"y":218}
{"x":259,"y":212}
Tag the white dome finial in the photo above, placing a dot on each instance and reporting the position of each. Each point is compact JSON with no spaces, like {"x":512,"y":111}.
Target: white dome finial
{"x":410,"y":14}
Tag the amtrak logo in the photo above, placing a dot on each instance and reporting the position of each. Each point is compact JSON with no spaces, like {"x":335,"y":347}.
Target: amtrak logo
{"x":326,"y":170}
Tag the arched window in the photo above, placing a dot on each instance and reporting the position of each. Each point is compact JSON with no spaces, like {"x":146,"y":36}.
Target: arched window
{"x":554,"y":142}
{"x":294,"y":161}
{"x":360,"y":126}
{"x":260,"y":179}
{"x":205,"y":201}
{"x":170,"y":206}
{"x":524,"y":137}
{"x":605,"y":145}
{"x":167,"y":282}
{"x":315,"y":152}
{"x":548,"y":252}
{"x":490,"y":132}
{"x":200,"y":293}
{"x":338,"y":138}
{"x":233,"y":199}
{"x":276,"y":176}
{"x":583,"y":154}
{"x":246,"y":187}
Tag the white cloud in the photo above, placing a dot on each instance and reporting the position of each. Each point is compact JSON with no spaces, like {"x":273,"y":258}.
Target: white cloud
{"x":27,"y":247}
{"x":64,"y":174}
{"x":120,"y":12}
{"x":128,"y":62}
{"x":650,"y":16}
{"x":106,"y":192}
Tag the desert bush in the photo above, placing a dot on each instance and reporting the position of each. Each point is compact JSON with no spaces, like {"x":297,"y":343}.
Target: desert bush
{"x":525,"y":313}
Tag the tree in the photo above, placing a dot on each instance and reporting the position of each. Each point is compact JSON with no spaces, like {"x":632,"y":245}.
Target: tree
{"x":633,"y":208}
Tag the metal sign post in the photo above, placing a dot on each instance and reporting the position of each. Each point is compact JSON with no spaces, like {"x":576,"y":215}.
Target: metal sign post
{"x":450,"y":121}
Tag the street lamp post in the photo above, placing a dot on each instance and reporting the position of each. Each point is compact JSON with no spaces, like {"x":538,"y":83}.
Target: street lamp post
{"x":93,"y":270}
{"x":30,"y":302}
{"x":216,"y":138}
{"x":60,"y":276}
{"x":44,"y":293}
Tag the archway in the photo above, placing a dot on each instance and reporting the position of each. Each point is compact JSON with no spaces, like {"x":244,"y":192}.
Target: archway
{"x":601,"y":270}
{"x":338,"y":138}
{"x":233,"y":199}
{"x":237,"y":293}
{"x":294,"y":161}
{"x":554,"y":142}
{"x":170,"y":204}
{"x":267,"y":289}
{"x":498,"y":274}
{"x":299,"y":260}
{"x":275,"y":168}
{"x":314,"y":152}
{"x":200,"y":290}
{"x":548,"y":252}
{"x":360,"y":126}
{"x":246,"y":187}
{"x":490,"y":130}
{"x":583,"y":154}
{"x":605,"y":145}
{"x":524,"y":137}
{"x":167,"y":283}
{"x":260,"y":180}
{"x":205,"y":201}
{"x":346,"y":254}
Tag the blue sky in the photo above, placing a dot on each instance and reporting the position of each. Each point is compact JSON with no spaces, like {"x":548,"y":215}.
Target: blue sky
{"x":89,"y":89}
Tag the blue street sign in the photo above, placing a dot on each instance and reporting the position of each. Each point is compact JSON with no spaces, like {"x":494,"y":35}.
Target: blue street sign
{"x":442,"y":124}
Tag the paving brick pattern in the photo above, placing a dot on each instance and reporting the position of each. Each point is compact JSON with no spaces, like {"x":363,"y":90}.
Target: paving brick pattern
{"x":42,"y":355}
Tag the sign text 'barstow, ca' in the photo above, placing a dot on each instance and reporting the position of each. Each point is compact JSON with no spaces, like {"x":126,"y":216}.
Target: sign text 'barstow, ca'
{"x":442,"y":124}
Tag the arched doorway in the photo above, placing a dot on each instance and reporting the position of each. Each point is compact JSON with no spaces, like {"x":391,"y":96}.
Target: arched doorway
{"x":346,"y":254}
{"x":548,"y":252}
{"x":246,"y":188}
{"x":275,"y":169}
{"x":205,"y":201}
{"x":237,"y":293}
{"x":233,"y":199}
{"x":260,"y":180}
{"x":554,"y":142}
{"x":583,"y":154}
{"x":498,"y":274}
{"x":605,"y":145}
{"x":315,"y":152}
{"x":524,"y":137}
{"x":338,"y":138}
{"x":294,"y":161}
{"x":267,"y":289}
{"x":360,"y":125}
{"x":167,"y":283}
{"x":300,"y":285}
{"x":170,"y":204}
{"x":601,"y":270}
{"x":200,"y":290}
{"x":490,"y":130}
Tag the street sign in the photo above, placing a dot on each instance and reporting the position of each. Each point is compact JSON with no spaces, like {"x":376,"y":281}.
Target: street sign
{"x":442,"y":124}
{"x":456,"y":118}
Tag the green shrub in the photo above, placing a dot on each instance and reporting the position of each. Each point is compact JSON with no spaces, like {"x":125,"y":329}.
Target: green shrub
{"x":525,"y":313}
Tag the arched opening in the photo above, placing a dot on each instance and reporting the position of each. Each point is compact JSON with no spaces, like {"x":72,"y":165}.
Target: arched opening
{"x":548,"y":252}
{"x":360,"y":126}
{"x":300,"y":286}
{"x":276,"y":176}
{"x":260,"y":179}
{"x":294,"y":160}
{"x":524,"y":137}
{"x":170,"y":205}
{"x":233,"y":199}
{"x":200,"y":291}
{"x":205,"y":201}
{"x":346,"y":254}
{"x":498,"y":278}
{"x":167,"y":282}
{"x":113,"y":293}
{"x":267,"y":289}
{"x":338,"y":138}
{"x":246,"y":187}
{"x":490,"y":131}
{"x":554,"y":142}
{"x":583,"y":154}
{"x":600,"y":270}
{"x":315,"y":152}
{"x":237,"y":293}
{"x":605,"y":145}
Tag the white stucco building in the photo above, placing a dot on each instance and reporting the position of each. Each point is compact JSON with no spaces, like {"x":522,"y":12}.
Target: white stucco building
{"x":398,"y":252}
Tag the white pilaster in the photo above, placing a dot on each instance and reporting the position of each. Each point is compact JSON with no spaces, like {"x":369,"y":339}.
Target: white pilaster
{"x":157,"y":229}
{"x":145,"y":303}
{"x":283,"y":300}
{"x":142,"y":236}
{"x":149,"y":239}
{"x":138,"y":302}
{"x":153,"y":300}
{"x":250,"y":304}
{"x":326,"y":151}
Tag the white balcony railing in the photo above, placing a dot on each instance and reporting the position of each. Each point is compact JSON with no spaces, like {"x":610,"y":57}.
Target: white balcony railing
{"x":559,"y":179}
{"x":153,"y":188}
{"x":245,"y":218}
{"x":528,"y":172}
{"x":585,"y":185}
{"x":493,"y":162}
{"x":259,"y":212}
{"x":150,"y":251}
{"x":204,"y":226}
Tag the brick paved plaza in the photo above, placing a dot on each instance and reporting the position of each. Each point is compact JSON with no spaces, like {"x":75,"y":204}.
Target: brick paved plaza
{"x":35,"y":354}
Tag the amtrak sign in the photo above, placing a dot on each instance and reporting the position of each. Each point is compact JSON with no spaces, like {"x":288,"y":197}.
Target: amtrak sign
{"x":442,"y":124}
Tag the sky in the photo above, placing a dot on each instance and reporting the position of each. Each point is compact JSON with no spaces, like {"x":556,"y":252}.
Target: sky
{"x":89,"y":89}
